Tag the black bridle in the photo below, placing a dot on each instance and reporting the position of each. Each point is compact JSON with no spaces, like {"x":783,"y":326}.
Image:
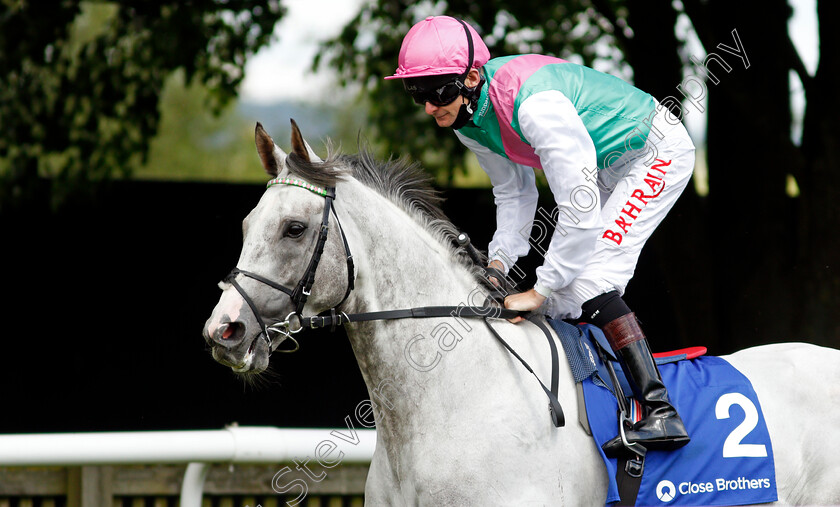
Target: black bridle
{"x":303,"y":289}
{"x":333,"y":318}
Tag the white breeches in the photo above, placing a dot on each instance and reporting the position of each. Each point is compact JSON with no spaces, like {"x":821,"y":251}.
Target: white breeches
{"x":637,"y":191}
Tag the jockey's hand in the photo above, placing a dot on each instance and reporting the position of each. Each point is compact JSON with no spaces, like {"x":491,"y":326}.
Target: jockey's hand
{"x":524,"y":301}
{"x":497,"y":264}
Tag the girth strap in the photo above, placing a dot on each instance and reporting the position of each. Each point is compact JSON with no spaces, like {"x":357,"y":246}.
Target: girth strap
{"x":631,"y":465}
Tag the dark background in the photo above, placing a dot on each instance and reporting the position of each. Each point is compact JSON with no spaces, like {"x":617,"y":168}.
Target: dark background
{"x":105,"y":300}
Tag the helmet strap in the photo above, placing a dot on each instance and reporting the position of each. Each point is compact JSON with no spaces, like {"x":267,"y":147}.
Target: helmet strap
{"x":470,"y":51}
{"x":466,"y":111}
{"x":464,"y":116}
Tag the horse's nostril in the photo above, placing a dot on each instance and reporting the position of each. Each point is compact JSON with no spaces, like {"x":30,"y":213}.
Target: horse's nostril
{"x":230,"y":332}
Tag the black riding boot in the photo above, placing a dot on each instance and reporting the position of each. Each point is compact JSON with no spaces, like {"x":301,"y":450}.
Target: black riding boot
{"x":661,"y":428}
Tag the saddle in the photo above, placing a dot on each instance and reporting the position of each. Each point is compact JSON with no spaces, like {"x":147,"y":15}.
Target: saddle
{"x":606,"y":370}
{"x":716,"y":467}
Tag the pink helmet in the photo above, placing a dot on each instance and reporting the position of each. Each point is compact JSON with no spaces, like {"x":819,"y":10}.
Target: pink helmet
{"x":436,"y":46}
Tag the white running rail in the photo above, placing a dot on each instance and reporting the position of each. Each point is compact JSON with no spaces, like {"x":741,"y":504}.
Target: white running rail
{"x":198,"y":449}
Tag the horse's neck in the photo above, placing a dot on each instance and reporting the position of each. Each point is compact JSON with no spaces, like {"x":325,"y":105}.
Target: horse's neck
{"x":435,"y":382}
{"x":402,"y":266}
{"x":403,"y":263}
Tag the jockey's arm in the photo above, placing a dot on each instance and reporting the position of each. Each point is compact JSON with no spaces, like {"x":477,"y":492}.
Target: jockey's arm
{"x":516,"y":195}
{"x":552,"y":126}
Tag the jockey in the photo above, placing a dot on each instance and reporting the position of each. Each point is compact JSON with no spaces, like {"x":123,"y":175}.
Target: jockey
{"x":615,"y":161}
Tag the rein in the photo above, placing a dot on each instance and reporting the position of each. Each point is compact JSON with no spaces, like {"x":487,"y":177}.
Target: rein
{"x":333,"y":318}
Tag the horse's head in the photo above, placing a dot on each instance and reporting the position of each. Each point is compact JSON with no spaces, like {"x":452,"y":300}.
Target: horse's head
{"x":279,"y":271}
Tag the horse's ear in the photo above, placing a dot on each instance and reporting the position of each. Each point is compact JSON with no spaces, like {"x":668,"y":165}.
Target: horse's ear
{"x":271,"y":156}
{"x":301,"y":147}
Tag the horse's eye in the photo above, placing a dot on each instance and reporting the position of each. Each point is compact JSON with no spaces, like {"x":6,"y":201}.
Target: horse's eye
{"x":294,"y":230}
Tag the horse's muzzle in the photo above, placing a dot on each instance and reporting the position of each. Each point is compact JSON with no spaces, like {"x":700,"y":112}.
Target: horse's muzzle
{"x":232,"y":348}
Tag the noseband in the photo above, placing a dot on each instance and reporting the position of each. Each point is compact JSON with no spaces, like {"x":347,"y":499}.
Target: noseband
{"x":303,"y":289}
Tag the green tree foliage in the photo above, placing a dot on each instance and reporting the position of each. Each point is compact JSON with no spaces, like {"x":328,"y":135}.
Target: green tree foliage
{"x":82,"y":80}
{"x":194,"y":143}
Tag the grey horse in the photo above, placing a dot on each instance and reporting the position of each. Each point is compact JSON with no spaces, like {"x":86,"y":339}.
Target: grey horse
{"x":464,"y":424}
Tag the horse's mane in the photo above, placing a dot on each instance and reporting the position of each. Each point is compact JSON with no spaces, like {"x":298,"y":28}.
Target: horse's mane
{"x":399,"y":180}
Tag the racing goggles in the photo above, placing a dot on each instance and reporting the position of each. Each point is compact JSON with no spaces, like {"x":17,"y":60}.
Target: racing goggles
{"x":437,"y":93}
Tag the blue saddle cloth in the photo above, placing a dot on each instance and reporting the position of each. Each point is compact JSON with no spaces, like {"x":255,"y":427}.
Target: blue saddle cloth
{"x":729,"y":460}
